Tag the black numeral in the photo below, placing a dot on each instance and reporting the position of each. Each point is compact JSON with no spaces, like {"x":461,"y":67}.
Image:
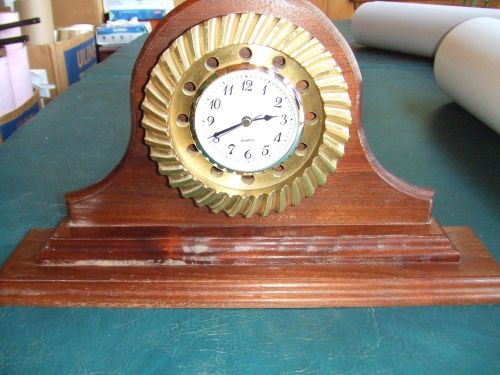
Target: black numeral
{"x":246,"y":85}
{"x":278,"y":101}
{"x":210,"y":120}
{"x":215,"y":139}
{"x":228,"y":90}
{"x":215,"y":104}
{"x":284,"y":120}
{"x":247,"y":154}
{"x":231,"y":148}
{"x":277,"y":138}
{"x":265,"y":89}
{"x":265,"y":150}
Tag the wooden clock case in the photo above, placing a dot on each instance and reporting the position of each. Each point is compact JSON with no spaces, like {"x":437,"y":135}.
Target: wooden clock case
{"x":366,"y":238}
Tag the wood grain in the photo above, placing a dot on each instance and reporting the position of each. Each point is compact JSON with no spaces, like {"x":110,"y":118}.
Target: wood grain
{"x":476,"y":279}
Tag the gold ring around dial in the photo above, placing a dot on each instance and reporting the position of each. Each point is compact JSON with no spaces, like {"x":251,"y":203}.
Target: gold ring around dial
{"x":246,"y":41}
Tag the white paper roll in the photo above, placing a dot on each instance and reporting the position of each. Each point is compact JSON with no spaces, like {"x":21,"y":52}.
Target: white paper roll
{"x":42,"y":33}
{"x":7,"y":103}
{"x":20,"y":74}
{"x":411,"y":28}
{"x":9,"y":17}
{"x":467,"y":68}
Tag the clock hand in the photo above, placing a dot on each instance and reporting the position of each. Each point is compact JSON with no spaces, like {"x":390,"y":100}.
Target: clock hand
{"x":227,"y":130}
{"x":266,"y":117}
{"x":246,"y":121}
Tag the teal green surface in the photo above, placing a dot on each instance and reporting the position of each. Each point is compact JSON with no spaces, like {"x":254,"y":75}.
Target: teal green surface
{"x":415,"y":131}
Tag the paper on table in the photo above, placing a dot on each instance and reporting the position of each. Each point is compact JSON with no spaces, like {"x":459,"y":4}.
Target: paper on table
{"x":42,"y":33}
{"x":467,"y":68}
{"x":20,"y":76}
{"x":411,"y":28}
{"x":15,"y":64}
{"x":7,"y":103}
{"x":9,"y":17}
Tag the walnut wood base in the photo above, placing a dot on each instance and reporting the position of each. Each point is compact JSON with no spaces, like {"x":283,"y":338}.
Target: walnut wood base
{"x":472,"y":280}
{"x":249,"y":245}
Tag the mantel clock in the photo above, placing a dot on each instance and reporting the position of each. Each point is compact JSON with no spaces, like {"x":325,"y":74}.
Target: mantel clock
{"x":248,"y":182}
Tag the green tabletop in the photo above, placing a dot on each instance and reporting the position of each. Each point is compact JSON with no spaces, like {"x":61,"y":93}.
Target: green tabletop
{"x":416,"y":132}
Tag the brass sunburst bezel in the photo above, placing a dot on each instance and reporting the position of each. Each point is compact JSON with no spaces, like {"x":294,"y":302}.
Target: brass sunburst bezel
{"x":168,"y":109}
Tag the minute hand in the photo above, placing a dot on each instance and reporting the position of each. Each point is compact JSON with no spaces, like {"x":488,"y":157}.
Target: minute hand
{"x":227,"y":130}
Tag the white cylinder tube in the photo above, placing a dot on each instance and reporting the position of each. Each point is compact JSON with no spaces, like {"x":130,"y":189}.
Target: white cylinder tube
{"x":467,"y":68}
{"x":410,"y":28}
{"x":7,"y":103}
{"x":9,"y":17}
{"x":43,"y":32}
{"x":16,"y":63}
{"x":20,"y":74}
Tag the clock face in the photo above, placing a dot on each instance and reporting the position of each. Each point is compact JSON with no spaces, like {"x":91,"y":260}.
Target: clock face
{"x":247,"y":120}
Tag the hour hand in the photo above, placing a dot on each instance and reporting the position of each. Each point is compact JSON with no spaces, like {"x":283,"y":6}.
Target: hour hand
{"x":266,"y":118}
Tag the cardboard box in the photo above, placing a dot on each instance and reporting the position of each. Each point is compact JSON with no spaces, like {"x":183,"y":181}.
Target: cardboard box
{"x":65,"y":61}
{"x":72,"y":12}
{"x":11,"y":121}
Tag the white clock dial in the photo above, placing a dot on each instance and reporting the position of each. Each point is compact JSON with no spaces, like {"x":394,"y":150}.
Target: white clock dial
{"x":247,"y":121}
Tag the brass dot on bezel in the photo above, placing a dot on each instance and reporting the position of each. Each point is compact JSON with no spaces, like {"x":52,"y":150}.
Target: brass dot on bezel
{"x":278,"y":171}
{"x":248,"y":179}
{"x":183,"y":119}
{"x":191,"y":63}
{"x":301,"y":149}
{"x":302,"y":85}
{"x":279,"y":62}
{"x":193,"y":149}
{"x":245,"y":53}
{"x":212,"y":63}
{"x":216,"y":172}
{"x":311,"y":118}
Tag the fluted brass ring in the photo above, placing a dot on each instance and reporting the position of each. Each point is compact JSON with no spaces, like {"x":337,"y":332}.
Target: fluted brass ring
{"x":187,"y":66}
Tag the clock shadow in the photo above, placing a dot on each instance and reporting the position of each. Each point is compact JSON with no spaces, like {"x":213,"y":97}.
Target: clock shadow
{"x":369,"y":57}
{"x":470,"y":146}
